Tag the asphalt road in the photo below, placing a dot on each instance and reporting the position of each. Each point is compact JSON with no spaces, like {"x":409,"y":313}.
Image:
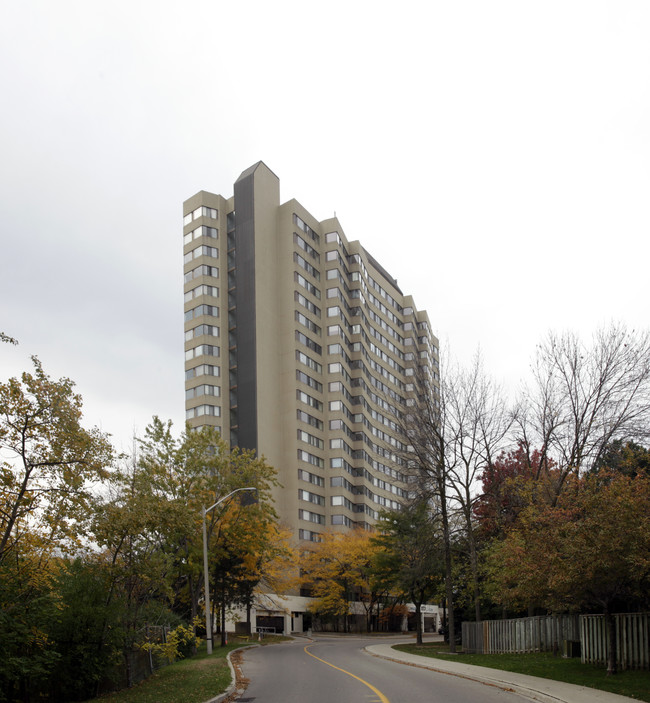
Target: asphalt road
{"x":337,"y":670}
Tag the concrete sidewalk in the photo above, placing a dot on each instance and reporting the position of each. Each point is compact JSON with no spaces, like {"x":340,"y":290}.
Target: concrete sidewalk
{"x":544,"y":690}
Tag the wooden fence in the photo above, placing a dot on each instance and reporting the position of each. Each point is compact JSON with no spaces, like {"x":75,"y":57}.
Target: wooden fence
{"x":542,"y":634}
{"x":520,"y":635}
{"x":632,"y":640}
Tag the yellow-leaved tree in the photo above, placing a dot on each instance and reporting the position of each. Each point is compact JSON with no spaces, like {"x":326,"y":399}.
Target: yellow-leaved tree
{"x":339,"y":571}
{"x":150,"y":528}
{"x":49,"y":464}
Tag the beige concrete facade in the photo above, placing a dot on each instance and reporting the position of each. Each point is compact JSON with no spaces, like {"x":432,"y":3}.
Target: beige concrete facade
{"x":300,"y":346}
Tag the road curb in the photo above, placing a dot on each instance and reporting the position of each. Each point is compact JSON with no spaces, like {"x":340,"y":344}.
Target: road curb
{"x":233,"y":688}
{"x":509,"y":687}
{"x":531,"y":688}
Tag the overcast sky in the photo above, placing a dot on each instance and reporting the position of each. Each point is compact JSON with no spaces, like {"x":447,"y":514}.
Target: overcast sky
{"x":494,"y":156}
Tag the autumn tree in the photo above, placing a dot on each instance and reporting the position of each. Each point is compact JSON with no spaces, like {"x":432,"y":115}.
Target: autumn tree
{"x":410,"y":556}
{"x":49,"y":464}
{"x":49,"y":461}
{"x":133,"y":530}
{"x":269,"y":563}
{"x":629,"y":458}
{"x":590,"y":549}
{"x":247,"y":550}
{"x":28,"y":607}
{"x":154,"y":516}
{"x":505,"y":489}
{"x":339,"y":571}
{"x":195,"y":470}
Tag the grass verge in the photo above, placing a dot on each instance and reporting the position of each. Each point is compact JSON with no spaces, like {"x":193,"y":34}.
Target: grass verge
{"x":635,"y":684}
{"x":192,"y":680}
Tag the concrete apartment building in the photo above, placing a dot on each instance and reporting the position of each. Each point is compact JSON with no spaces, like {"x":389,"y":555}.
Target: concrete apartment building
{"x":300,"y":345}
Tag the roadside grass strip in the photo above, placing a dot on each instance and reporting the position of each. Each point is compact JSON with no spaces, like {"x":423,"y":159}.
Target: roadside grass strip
{"x":193,"y":680}
{"x":634,"y":684}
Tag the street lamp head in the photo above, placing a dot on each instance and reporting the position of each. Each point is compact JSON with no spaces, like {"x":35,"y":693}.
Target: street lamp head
{"x":232,"y":493}
{"x":249,"y":498}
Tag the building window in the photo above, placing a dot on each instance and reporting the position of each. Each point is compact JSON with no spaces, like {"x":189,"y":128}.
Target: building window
{"x":306,"y":303}
{"x":304,"y":320}
{"x":309,"y":419}
{"x":306,"y":284}
{"x":212,"y":291}
{"x":311,"y":478}
{"x":306,"y":248}
{"x":308,"y":361}
{"x":212,"y":252}
{"x":202,"y":271}
{"x":211,"y":310}
{"x":339,"y":368}
{"x":210,"y":232}
{"x":311,"y":516}
{"x":202,"y":211}
{"x":311,"y":497}
{"x":309,"y":343}
{"x":309,"y":400}
{"x":311,"y":458}
{"x":203,"y":410}
{"x":305,"y":228}
{"x":209,"y":330}
{"x":202,"y":370}
{"x":306,"y":266}
{"x":201,"y":350}
{"x":202,"y":390}
{"x":310,"y":439}
{"x":309,"y":381}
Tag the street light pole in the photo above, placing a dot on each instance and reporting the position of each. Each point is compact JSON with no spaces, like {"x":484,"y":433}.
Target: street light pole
{"x":206,"y":584}
{"x":206,"y":580}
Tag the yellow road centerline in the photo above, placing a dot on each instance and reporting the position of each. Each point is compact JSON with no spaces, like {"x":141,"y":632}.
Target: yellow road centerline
{"x":376,"y":691}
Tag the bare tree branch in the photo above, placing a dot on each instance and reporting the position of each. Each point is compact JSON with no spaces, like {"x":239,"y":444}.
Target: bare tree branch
{"x":585,"y":396}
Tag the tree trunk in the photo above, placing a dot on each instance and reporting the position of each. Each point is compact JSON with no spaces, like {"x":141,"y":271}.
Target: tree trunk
{"x":127,"y":669}
{"x":449,"y":578}
{"x":248,"y":616}
{"x":473,"y":557}
{"x":611,"y":631}
{"x":418,"y":623}
{"x":194,"y":605}
{"x":223,"y":617}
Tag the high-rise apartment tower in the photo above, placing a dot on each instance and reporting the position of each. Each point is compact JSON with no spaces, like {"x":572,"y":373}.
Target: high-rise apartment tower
{"x":298,"y":344}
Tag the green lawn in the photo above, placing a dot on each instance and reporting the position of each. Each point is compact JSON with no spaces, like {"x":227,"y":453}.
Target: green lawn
{"x":193,"y":680}
{"x":635,"y":684}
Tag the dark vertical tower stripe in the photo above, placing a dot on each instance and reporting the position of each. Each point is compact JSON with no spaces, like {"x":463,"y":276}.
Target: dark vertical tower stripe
{"x":244,"y":192}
